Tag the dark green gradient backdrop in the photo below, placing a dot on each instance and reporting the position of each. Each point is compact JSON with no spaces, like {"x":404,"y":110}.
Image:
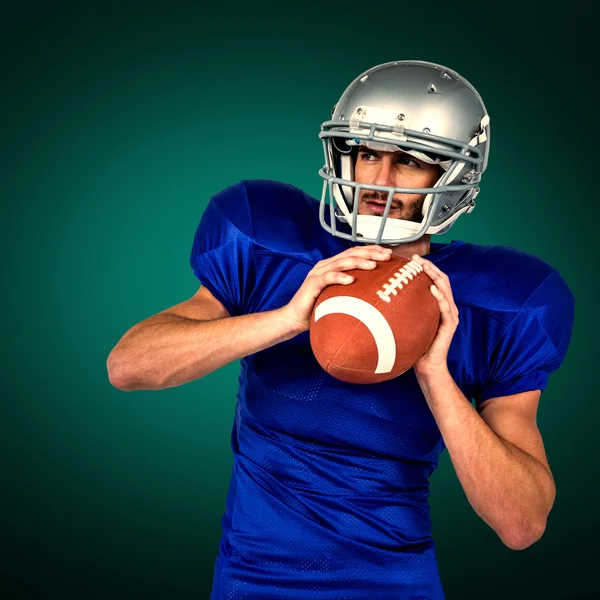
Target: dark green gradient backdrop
{"x":118,"y":125}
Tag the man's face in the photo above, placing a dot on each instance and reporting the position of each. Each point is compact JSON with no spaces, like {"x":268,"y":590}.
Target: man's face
{"x":397,"y":169}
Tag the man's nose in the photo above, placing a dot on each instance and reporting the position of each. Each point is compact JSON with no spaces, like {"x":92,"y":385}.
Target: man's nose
{"x":384,"y":175}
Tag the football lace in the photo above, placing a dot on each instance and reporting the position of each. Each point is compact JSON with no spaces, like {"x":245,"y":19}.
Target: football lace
{"x":399,"y":280}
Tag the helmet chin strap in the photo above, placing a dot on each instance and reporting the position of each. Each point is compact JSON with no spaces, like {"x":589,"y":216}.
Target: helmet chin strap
{"x":368,"y":225}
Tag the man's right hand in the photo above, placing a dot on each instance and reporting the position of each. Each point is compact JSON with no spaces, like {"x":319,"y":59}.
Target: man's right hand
{"x":327,"y":272}
{"x":197,"y":336}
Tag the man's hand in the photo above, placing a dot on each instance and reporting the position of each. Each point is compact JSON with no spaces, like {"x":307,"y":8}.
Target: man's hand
{"x":435,"y":359}
{"x":327,"y":272}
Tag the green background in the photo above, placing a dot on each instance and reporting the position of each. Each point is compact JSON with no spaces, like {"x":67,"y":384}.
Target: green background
{"x":117,"y":127}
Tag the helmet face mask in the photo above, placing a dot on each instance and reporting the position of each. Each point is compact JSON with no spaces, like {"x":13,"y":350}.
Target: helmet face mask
{"x":423,"y":109}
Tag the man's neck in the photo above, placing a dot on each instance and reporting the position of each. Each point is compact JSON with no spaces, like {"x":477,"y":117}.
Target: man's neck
{"x":420,"y":247}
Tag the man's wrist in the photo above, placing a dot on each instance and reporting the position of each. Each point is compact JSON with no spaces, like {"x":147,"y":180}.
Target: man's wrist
{"x":291,"y":324}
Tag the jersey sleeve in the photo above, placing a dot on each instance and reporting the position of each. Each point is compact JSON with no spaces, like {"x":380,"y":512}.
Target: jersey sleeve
{"x":533,"y":345}
{"x":222,"y":251}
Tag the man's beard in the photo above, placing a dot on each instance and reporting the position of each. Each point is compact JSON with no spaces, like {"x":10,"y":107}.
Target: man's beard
{"x":414,"y":210}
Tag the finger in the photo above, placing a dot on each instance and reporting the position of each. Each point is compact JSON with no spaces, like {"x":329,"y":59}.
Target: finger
{"x":330,"y":278}
{"x":439,"y":278}
{"x":373,"y":252}
{"x":358,"y":259}
{"x":436,"y":275}
{"x":435,"y":290}
{"x":366,"y":251}
{"x":351,"y":262}
{"x":439,"y":272}
{"x":447,"y":308}
{"x":372,"y":247}
{"x":433,"y":267}
{"x":442,"y":301}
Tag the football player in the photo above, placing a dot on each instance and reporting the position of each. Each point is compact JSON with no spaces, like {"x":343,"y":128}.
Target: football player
{"x":329,"y":488}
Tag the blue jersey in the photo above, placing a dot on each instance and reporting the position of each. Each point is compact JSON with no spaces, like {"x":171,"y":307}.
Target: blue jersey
{"x":328,"y":498}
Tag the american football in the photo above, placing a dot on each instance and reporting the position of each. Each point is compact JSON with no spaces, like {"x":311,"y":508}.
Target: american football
{"x":377,"y":327}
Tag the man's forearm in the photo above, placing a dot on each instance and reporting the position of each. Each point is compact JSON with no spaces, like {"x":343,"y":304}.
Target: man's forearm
{"x":509,"y":489}
{"x":170,"y":350}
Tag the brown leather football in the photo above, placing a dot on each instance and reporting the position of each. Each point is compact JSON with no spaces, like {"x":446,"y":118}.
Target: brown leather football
{"x":378,"y":326}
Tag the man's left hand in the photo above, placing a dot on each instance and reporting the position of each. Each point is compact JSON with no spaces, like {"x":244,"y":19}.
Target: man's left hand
{"x":435,"y":359}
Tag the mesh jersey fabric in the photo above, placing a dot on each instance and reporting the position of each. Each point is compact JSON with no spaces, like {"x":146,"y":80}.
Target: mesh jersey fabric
{"x":328,"y":497}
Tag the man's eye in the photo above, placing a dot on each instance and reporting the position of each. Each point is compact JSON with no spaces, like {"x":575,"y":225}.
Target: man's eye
{"x":409,"y":160}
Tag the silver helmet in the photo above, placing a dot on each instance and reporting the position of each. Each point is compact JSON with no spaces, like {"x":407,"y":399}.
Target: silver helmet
{"x":423,"y":109}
